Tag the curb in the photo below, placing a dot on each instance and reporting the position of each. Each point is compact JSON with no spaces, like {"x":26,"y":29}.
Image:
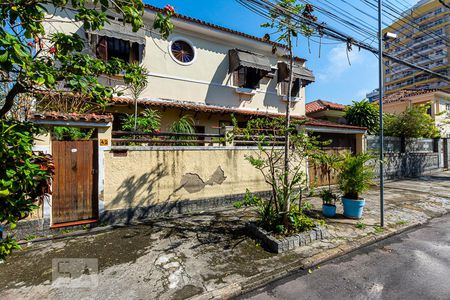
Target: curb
{"x":260,"y":280}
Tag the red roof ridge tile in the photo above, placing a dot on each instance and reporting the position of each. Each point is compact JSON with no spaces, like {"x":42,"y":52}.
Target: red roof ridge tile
{"x":87,"y":117}
{"x":200,"y":107}
{"x":320,"y":105}
{"x":400,"y":95}
{"x":214,"y":26}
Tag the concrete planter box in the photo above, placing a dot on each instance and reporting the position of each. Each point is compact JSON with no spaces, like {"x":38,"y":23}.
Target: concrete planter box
{"x":289,"y":243}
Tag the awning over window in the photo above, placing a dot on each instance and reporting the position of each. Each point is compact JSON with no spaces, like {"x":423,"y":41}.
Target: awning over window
{"x":120,"y":31}
{"x":302,"y":73}
{"x":241,"y":58}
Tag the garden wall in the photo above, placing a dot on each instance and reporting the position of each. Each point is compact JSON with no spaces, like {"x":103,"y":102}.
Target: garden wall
{"x":143,"y":181}
{"x":409,"y":157}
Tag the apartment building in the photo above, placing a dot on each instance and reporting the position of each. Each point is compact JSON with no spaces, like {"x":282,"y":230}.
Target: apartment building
{"x":423,"y":34}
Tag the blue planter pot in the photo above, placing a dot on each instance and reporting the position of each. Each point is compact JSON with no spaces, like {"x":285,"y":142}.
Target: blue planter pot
{"x":328,"y":210}
{"x":353,"y":208}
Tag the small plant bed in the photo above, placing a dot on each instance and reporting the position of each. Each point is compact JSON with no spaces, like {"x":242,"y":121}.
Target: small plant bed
{"x":278,"y":243}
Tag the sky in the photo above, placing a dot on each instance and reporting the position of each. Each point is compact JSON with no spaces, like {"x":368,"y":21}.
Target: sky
{"x":336,"y":79}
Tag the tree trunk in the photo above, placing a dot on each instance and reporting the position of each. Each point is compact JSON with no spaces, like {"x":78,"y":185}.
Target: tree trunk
{"x":287,"y":192}
{"x":9,"y":99}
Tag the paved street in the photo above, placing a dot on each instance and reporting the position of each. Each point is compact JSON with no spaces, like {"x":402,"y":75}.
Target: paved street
{"x":413,"y":265}
{"x":210,"y":255}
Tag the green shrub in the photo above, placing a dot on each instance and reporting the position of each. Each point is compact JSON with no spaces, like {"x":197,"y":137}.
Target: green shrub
{"x":414,"y":122}
{"x":355,"y":175}
{"x":147,"y":121}
{"x":24,"y":176}
{"x":72,"y":133}
{"x":363,"y":114}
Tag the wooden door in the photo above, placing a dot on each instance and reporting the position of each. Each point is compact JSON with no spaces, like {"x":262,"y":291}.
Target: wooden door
{"x":75,"y":196}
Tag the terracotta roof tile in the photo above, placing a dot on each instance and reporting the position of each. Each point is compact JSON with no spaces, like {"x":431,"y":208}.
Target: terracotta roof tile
{"x":214,"y":26}
{"x":53,"y":115}
{"x":402,"y":95}
{"x":198,"y":107}
{"x":320,"y":105}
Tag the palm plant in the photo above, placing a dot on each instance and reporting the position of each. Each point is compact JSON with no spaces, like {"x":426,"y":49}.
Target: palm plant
{"x":355,"y":175}
{"x":184,"y":125}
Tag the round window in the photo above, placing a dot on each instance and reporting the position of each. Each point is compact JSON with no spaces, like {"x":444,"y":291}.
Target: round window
{"x":182,"y":51}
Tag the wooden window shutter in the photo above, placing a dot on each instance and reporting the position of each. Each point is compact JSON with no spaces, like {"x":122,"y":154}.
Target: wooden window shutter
{"x":134,"y":53}
{"x":242,"y":74}
{"x":102,"y":48}
{"x":296,"y":87}
{"x":93,"y":43}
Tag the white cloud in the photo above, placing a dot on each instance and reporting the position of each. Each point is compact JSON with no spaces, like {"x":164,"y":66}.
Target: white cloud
{"x":338,"y":63}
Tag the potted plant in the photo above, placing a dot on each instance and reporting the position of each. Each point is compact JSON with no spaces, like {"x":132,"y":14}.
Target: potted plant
{"x":355,"y":177}
{"x":328,"y":203}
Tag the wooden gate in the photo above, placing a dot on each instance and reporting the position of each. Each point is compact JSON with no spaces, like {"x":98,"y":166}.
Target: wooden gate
{"x":317,"y":176}
{"x":75,"y":196}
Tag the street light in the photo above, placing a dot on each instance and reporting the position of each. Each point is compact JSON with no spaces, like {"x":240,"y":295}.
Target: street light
{"x":381,"y":38}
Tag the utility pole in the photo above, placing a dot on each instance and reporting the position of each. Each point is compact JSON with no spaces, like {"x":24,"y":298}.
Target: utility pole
{"x":381,"y":90}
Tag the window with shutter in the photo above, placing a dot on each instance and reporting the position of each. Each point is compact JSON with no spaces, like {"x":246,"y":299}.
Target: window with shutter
{"x":295,"y":91}
{"x":246,"y":77}
{"x":108,"y":47}
{"x":102,"y":48}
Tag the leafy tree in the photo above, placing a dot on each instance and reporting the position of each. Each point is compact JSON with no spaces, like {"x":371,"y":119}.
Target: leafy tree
{"x":32,"y":61}
{"x":24,"y":177}
{"x":269,"y":160}
{"x":364,"y":114}
{"x":286,"y":29}
{"x":414,"y":122}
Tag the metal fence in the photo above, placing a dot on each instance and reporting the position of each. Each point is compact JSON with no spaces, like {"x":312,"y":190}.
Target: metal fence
{"x":402,"y":145}
{"x":226,"y":138}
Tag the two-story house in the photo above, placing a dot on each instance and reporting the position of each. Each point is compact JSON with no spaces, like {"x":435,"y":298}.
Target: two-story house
{"x":438,"y":101}
{"x":206,"y":71}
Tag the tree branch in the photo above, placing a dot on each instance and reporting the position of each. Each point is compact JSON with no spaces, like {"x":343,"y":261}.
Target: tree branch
{"x":9,"y":99}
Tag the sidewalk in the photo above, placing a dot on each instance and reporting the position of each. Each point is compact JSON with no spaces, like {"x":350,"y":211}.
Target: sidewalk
{"x":208,"y":255}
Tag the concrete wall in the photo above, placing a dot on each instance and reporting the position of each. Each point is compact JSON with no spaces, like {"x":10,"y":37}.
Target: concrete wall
{"x":152,"y":176}
{"x":411,"y":158}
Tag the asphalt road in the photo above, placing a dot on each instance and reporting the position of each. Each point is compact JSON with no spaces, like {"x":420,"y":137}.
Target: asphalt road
{"x":412,"y":265}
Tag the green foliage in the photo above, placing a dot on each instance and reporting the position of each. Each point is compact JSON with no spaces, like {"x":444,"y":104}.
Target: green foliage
{"x":284,"y":26}
{"x":414,"y":122}
{"x":24,"y":176}
{"x":238,"y":204}
{"x":163,"y":21}
{"x":364,"y":114}
{"x":183,"y":125}
{"x":147,"y":121}
{"x":72,"y":133}
{"x":360,"y":225}
{"x":378,"y":229}
{"x":30,"y":57}
{"x":269,"y":160}
{"x":328,"y":197}
{"x":355,"y":174}
{"x":7,"y":245}
{"x":250,"y":199}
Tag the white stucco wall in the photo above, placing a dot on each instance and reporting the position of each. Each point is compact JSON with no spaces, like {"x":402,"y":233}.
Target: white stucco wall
{"x":206,"y":80}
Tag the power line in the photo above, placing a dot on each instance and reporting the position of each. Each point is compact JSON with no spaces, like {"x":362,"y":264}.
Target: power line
{"x":334,"y":33}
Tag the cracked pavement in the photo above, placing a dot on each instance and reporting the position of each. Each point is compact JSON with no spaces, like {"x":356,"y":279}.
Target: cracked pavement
{"x":199,"y":255}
